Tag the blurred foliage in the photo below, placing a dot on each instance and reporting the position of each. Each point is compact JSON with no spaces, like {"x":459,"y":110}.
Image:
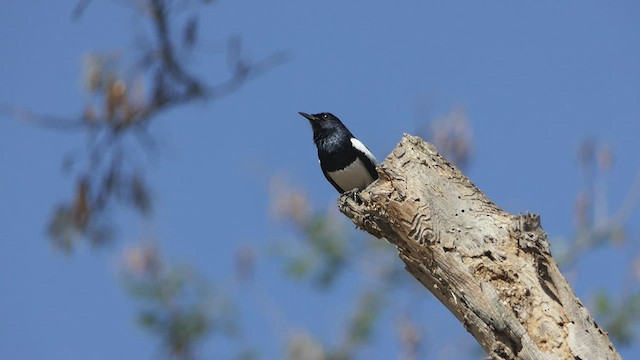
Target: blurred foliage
{"x":361,"y":325}
{"x":324,"y":257}
{"x":452,"y":135}
{"x":122,"y":105}
{"x":125,"y":95}
{"x":596,"y":225}
{"x":358,"y":332}
{"x":322,"y":251}
{"x":177,"y":305}
{"x":619,"y":316}
{"x":323,"y":247}
{"x":303,"y":346}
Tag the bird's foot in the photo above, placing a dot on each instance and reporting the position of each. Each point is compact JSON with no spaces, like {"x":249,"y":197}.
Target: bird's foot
{"x":354,"y":194}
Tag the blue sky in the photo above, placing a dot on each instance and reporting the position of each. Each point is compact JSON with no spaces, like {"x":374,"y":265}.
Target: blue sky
{"x":534,"y":78}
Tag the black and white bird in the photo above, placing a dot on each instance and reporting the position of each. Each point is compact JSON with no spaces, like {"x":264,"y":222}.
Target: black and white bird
{"x":344,"y":160}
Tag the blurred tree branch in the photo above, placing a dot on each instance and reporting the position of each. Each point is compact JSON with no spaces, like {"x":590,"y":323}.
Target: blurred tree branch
{"x":493,"y":270}
{"x":598,"y":226}
{"x":121,"y":110}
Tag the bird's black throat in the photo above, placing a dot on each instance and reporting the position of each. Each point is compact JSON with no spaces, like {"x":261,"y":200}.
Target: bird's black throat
{"x":334,"y":149}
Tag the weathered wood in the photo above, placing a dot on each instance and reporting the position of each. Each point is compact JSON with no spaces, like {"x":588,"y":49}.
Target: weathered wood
{"x":491,"y":269}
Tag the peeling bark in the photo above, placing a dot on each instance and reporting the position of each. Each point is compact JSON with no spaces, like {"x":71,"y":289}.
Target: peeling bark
{"x":491,"y":269}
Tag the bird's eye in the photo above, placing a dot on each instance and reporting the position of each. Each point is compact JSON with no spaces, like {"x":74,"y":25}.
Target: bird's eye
{"x":325,"y":116}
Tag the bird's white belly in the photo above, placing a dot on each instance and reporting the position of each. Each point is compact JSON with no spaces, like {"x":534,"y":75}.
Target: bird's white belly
{"x":353,"y":176}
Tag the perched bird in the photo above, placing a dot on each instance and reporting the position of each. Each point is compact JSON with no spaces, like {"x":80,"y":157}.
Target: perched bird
{"x":344,"y":160}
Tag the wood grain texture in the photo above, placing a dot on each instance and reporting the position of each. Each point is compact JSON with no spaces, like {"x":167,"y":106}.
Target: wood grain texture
{"x":491,"y":269}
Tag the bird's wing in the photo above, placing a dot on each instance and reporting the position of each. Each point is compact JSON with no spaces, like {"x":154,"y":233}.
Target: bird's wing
{"x":366,"y":157}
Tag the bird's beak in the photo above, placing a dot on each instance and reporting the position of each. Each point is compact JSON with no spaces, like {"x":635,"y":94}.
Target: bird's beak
{"x":309,"y":117}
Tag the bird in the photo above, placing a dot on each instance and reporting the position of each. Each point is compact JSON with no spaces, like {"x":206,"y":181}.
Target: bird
{"x":345,"y":161}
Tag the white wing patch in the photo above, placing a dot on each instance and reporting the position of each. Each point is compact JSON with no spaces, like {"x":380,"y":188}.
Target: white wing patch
{"x":360,"y":146}
{"x":353,"y":176}
{"x":356,"y":175}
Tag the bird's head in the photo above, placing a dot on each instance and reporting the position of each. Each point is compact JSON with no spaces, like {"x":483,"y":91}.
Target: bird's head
{"x":323,"y":122}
